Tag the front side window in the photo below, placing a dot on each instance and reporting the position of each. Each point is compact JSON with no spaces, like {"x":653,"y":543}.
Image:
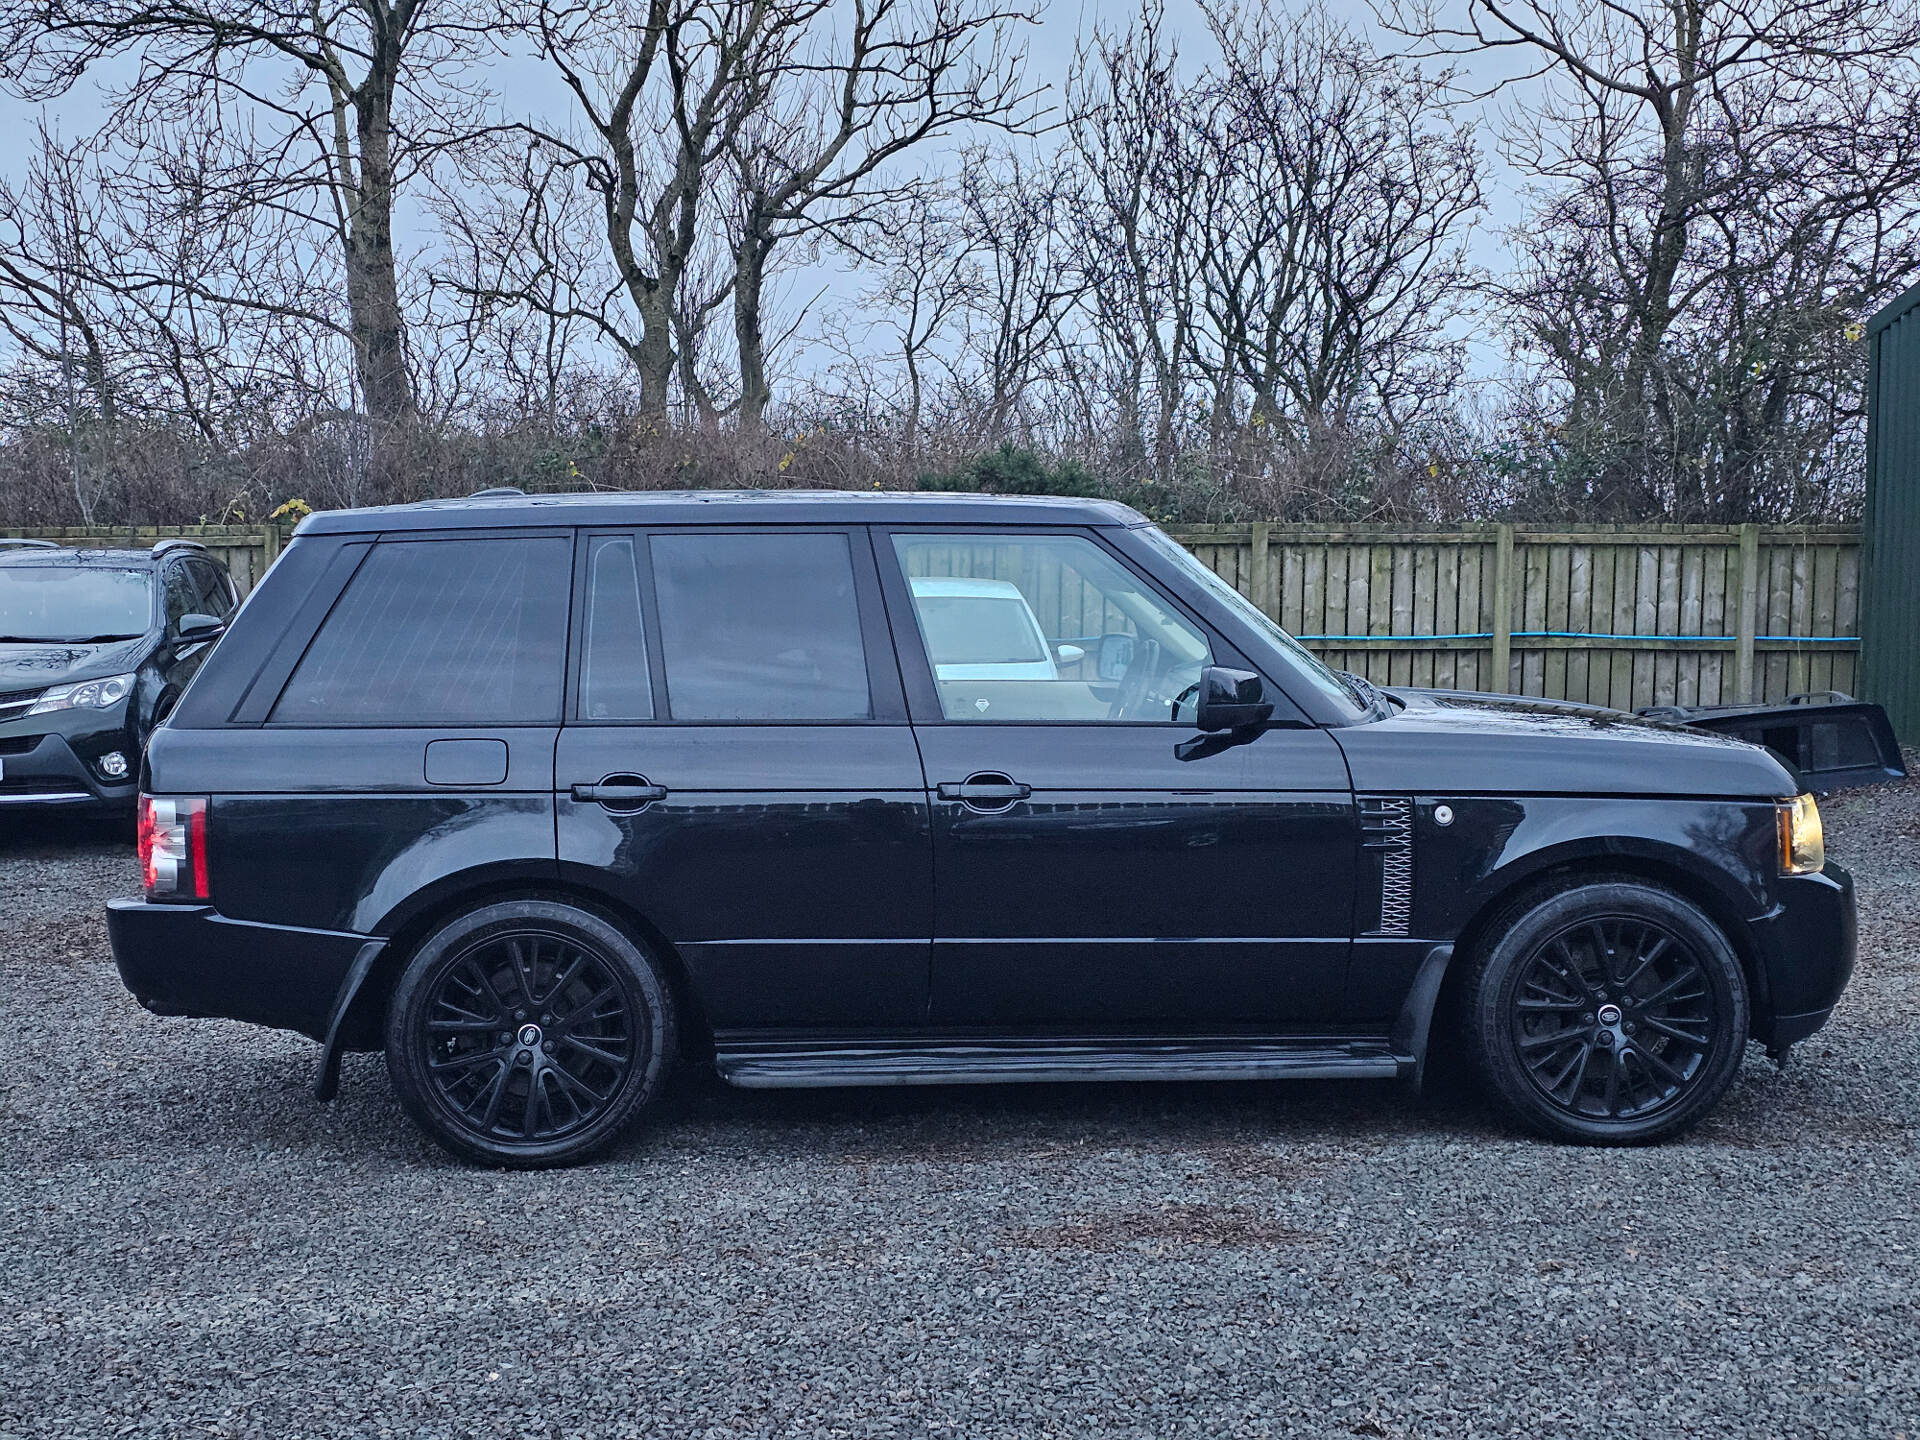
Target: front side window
{"x":74,"y":603}
{"x":760,"y":627}
{"x":441,"y":632}
{"x":215,"y":598}
{"x":182,"y":594}
{"x":1311,"y":667}
{"x":1047,"y":627}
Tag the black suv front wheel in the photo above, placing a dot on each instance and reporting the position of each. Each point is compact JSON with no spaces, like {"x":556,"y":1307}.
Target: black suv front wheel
{"x":529,"y":1033}
{"x":1610,"y":1013}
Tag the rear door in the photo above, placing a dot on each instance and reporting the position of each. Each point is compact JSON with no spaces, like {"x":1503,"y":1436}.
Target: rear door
{"x":1094,"y":869}
{"x":397,"y":741}
{"x":737,"y":767}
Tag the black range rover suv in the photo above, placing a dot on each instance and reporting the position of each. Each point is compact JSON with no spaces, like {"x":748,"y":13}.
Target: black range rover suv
{"x":95,"y":647}
{"x":537,"y":794}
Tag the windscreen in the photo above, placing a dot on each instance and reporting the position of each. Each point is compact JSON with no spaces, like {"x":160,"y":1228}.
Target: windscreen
{"x":74,"y":603}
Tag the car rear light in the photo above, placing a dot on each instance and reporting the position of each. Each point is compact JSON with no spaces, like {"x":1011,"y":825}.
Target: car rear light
{"x":173,"y":846}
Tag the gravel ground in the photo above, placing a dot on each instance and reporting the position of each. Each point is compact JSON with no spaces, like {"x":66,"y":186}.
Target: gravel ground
{"x":192,"y":1245}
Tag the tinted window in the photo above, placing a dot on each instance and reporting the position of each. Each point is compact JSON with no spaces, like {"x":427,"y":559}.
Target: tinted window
{"x":211,"y":587}
{"x":613,"y":660}
{"x":760,"y":627}
{"x":60,"y":602}
{"x":1047,"y":627}
{"x":441,"y":632}
{"x":182,"y":594}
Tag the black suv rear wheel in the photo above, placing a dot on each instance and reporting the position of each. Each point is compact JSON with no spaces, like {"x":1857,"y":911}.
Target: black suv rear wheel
{"x":529,"y":1033}
{"x":1611,"y":1013}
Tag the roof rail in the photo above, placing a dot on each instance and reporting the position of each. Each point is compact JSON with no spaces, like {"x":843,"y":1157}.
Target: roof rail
{"x":7,"y":540}
{"x":495,"y":492}
{"x":177,"y":543}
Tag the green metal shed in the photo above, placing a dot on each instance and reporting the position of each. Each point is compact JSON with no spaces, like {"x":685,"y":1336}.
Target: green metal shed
{"x":1890,"y":578}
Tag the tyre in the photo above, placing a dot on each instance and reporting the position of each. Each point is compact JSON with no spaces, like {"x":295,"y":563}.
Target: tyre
{"x":529,"y":1034}
{"x":1608,"y":1013}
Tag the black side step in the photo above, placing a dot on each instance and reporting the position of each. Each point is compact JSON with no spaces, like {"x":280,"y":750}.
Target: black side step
{"x":777,"y":1067}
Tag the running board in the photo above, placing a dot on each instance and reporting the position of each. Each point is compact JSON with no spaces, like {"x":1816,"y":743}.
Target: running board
{"x":1007,"y":1062}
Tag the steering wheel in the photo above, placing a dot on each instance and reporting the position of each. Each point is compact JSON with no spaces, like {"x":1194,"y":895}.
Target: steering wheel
{"x":1173,"y":711}
{"x":1133,"y":684}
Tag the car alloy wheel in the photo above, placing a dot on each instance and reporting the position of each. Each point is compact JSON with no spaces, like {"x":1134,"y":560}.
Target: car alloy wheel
{"x":529,"y":1033}
{"x":1614,"y":1018}
{"x":529,"y":1036}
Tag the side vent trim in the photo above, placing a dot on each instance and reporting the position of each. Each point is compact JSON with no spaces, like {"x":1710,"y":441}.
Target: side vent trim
{"x":1386,"y":834}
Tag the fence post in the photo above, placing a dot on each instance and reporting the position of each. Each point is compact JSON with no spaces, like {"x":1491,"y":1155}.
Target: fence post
{"x":1262,"y":576}
{"x":1745,"y":623}
{"x":1502,"y":666}
{"x":269,"y":545}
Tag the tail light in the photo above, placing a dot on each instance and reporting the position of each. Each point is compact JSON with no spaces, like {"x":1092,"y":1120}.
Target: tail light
{"x":173,"y":846}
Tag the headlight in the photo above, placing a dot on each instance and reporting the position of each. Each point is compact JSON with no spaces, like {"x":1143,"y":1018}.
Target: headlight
{"x":1803,"y":842}
{"x":88,"y":695}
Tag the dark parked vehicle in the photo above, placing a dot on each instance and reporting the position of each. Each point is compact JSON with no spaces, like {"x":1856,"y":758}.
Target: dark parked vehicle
{"x":96,"y":646}
{"x":538,"y":794}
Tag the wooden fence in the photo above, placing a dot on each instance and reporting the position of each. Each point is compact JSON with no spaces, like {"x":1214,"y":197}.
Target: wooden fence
{"x":1611,"y":615}
{"x":1622,"y":615}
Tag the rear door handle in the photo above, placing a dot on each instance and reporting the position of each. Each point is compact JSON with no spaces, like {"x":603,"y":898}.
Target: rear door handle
{"x":991,"y":791}
{"x":620,"y":794}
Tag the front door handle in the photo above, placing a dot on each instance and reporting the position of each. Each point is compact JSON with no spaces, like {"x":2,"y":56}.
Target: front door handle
{"x":620,"y":792}
{"x":980,"y":789}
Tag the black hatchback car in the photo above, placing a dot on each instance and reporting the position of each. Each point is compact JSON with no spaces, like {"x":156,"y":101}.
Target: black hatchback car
{"x":96,"y":646}
{"x":539,"y":793}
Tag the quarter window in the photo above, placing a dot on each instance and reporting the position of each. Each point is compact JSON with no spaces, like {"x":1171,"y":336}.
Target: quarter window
{"x":441,"y":632}
{"x":1047,"y":627}
{"x":614,"y":684}
{"x":760,"y":627}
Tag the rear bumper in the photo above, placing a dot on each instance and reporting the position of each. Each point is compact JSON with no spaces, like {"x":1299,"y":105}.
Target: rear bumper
{"x":50,"y":776}
{"x":1806,"y":946}
{"x":192,"y":960}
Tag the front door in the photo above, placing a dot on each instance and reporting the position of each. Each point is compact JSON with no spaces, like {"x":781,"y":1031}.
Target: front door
{"x":1087,"y":876}
{"x":738,"y":769}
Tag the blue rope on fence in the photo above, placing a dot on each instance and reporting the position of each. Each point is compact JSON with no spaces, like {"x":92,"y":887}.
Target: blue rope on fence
{"x":1586,"y":635}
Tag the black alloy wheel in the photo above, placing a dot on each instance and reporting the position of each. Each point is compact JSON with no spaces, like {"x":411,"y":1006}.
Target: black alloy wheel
{"x":1613,"y":1012}
{"x":528,"y":1033}
{"x":1613,"y":1017}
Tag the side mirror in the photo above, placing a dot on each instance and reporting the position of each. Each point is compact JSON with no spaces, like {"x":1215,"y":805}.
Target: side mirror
{"x":195,"y":628}
{"x":1230,"y":700}
{"x":1114,"y":657}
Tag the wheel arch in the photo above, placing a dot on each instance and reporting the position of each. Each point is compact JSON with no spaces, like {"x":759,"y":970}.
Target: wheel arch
{"x":365,"y":1021}
{"x":1557,"y":871}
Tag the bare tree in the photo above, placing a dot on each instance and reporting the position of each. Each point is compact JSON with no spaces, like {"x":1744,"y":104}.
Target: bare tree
{"x":330,"y":110}
{"x":1335,"y":189}
{"x":846,"y":94}
{"x":1015,"y":218}
{"x":927,"y":278}
{"x":660,"y":88}
{"x":1133,"y":141}
{"x":1719,"y":186}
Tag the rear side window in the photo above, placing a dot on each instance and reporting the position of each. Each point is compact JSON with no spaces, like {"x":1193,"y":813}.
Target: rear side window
{"x":441,"y":632}
{"x":760,"y":627}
